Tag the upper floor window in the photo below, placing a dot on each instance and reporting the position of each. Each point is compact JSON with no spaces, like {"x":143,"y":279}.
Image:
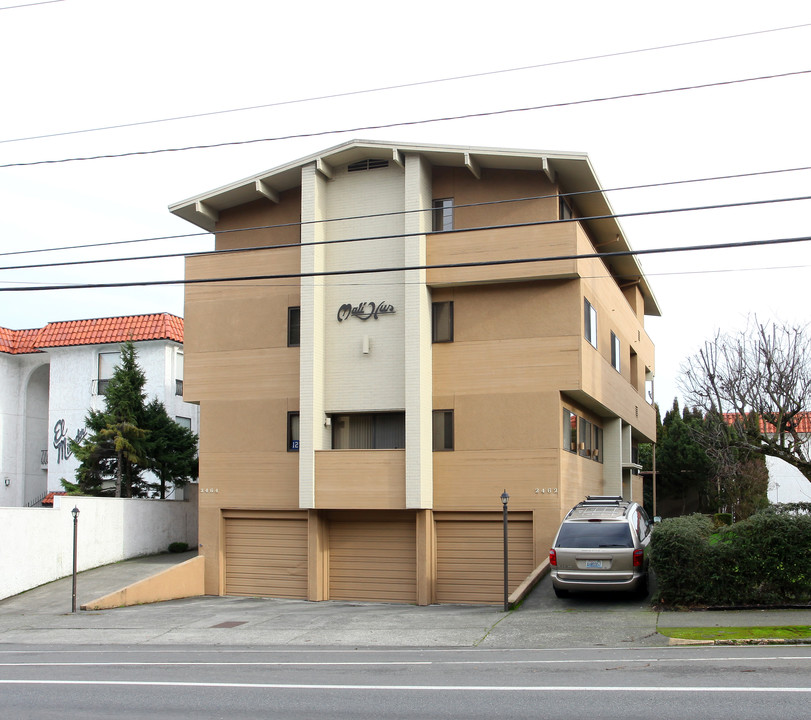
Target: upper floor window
{"x":179,"y":373}
{"x":183,"y":421}
{"x":368,"y":431}
{"x":442,"y":322}
{"x":590,"y":322}
{"x":108,"y":362}
{"x":585,"y":440}
{"x":293,"y":326}
{"x":564,"y":209}
{"x":292,"y":431}
{"x":615,"y":352}
{"x":569,"y":430}
{"x":442,"y":214}
{"x":442,"y":430}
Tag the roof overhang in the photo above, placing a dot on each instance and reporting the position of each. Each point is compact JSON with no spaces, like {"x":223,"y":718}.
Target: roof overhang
{"x":572,"y":170}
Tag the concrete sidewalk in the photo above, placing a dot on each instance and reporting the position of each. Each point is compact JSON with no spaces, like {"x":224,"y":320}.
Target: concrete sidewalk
{"x":43,"y":615}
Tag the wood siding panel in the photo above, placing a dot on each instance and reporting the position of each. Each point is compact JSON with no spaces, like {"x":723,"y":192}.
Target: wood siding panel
{"x":362,"y":479}
{"x":470,"y":556}
{"x":266,"y":556}
{"x":495,"y":246}
{"x":373,"y":559}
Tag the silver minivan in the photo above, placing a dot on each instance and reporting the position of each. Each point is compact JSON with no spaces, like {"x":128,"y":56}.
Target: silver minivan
{"x":602,"y":545}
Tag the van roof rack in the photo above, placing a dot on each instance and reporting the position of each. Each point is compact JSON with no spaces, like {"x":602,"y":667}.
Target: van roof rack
{"x":603,"y":500}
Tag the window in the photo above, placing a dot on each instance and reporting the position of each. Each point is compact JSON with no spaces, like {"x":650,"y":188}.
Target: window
{"x":179,"y":374}
{"x":585,"y":439}
{"x":292,"y":431}
{"x":569,"y":430}
{"x":293,"y":326}
{"x":590,"y":322}
{"x":442,"y":322}
{"x":368,"y":431}
{"x":183,"y":422}
{"x":597,"y":453}
{"x":564,"y":209}
{"x":443,"y":429}
{"x":615,"y":352}
{"x":108,"y":362}
{"x":442,"y":214}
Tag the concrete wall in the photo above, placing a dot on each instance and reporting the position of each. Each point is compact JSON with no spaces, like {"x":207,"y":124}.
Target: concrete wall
{"x":37,"y":543}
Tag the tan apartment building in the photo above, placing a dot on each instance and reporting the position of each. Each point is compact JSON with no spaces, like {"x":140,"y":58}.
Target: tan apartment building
{"x":398,"y":333}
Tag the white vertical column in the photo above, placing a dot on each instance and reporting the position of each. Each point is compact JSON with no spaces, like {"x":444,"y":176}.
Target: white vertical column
{"x":612,"y":457}
{"x":418,"y":357}
{"x":312,"y":434}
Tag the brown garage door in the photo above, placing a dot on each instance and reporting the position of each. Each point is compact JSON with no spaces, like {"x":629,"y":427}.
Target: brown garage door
{"x":266,"y":555}
{"x":470,"y":555}
{"x":372,"y":556}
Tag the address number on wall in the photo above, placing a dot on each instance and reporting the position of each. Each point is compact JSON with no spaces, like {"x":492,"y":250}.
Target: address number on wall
{"x":546,"y":491}
{"x":209,"y":490}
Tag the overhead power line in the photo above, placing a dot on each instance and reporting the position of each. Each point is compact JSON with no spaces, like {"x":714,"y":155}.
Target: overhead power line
{"x":398,"y":236}
{"x":439,"y":266}
{"x":43,"y":2}
{"x":400,"y":86}
{"x":410,"y":123}
{"x":183,"y":236}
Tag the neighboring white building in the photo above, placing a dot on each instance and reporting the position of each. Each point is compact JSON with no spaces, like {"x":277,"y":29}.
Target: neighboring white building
{"x":50,"y":377}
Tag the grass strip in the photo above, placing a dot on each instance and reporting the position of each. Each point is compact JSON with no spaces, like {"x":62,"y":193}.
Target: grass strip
{"x":771,"y":632}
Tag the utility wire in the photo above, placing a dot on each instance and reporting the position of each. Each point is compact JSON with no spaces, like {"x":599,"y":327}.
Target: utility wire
{"x":408,"y":212}
{"x":15,"y":7}
{"x":398,"y":236}
{"x":410,"y":123}
{"x":439,"y":266}
{"x":401,"y":86}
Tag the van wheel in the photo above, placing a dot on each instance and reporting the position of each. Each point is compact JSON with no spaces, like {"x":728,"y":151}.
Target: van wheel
{"x":561,"y":593}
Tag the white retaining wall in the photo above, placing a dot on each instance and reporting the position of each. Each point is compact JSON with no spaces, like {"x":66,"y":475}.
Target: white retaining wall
{"x":36,"y":544}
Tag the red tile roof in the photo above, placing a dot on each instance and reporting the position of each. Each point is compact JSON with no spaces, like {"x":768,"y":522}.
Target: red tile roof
{"x":803,"y":422}
{"x":98,"y":331}
{"x":48,"y":500}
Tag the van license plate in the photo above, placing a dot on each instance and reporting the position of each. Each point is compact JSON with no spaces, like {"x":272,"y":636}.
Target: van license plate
{"x":594,"y":564}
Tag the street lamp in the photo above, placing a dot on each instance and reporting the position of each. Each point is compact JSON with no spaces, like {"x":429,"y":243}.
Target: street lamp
{"x":504,"y":500}
{"x":75,"y":513}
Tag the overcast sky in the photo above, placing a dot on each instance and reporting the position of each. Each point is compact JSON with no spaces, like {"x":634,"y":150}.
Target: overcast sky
{"x":81,"y":64}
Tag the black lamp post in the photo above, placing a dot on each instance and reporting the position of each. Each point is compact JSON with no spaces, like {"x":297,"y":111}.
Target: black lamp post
{"x":75,"y":513}
{"x":504,"y":500}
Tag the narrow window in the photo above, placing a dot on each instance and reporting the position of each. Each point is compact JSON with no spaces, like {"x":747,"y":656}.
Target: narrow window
{"x":179,"y":374}
{"x":443,"y":214}
{"x":615,"y":352}
{"x":443,"y":430}
{"x":590,"y":322}
{"x":293,"y":326}
{"x":564,"y":209}
{"x":108,"y":362}
{"x":442,"y":322}
{"x":292,"y":431}
{"x":569,"y":430}
{"x":585,"y":438}
{"x":597,"y":452}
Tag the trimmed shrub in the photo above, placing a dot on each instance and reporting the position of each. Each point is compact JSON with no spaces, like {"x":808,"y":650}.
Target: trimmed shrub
{"x":178,"y":547}
{"x":764,"y":560}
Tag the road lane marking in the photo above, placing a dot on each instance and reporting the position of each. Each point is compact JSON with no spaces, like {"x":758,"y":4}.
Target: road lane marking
{"x":417,"y":688}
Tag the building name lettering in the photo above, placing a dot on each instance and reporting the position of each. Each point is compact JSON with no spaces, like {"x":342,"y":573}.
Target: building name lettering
{"x":364,"y":310}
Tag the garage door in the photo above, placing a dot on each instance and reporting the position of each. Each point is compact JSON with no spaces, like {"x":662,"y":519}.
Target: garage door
{"x":470,"y":555}
{"x":372,"y":556}
{"x":266,"y":555}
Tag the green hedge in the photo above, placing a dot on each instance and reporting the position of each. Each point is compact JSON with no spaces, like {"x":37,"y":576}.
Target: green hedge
{"x":764,"y":560}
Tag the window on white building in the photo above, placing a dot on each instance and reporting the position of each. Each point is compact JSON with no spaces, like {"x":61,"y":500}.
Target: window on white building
{"x":183,"y":421}
{"x":179,"y":374}
{"x":108,"y":362}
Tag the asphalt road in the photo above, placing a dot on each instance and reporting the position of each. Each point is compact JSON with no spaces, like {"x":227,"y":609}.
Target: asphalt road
{"x":176,"y":682}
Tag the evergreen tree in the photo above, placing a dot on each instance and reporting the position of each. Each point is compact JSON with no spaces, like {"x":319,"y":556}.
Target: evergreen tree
{"x":130,"y":437}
